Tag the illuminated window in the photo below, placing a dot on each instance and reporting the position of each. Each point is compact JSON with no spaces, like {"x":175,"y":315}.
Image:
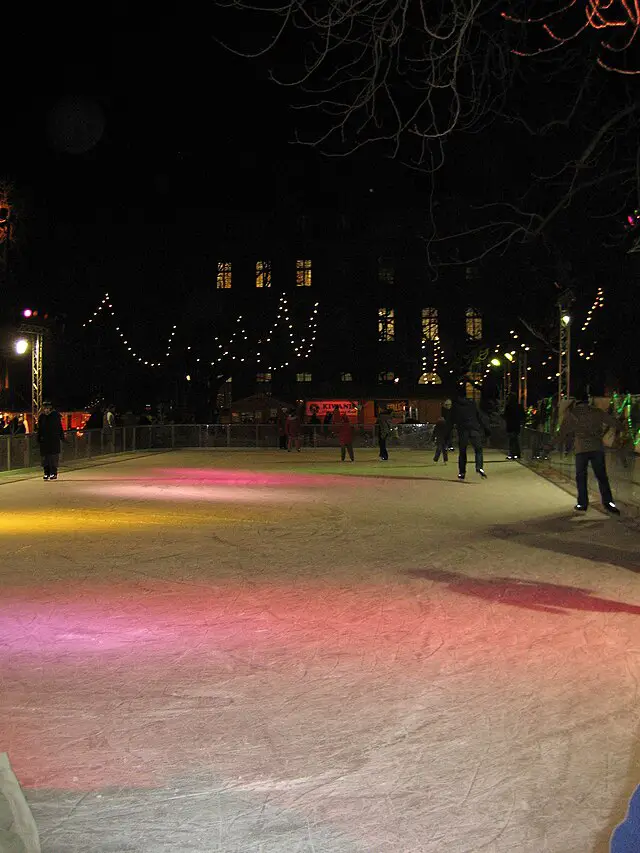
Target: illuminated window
{"x":303,"y":377}
{"x":263,"y":273}
{"x":263,"y":377}
{"x":223,"y":279}
{"x":386,"y":324}
{"x":474,"y":324}
{"x":429,"y":324}
{"x":303,"y":273}
{"x":430,"y":379}
{"x":386,"y":376}
{"x":346,"y":377}
{"x":386,"y":272}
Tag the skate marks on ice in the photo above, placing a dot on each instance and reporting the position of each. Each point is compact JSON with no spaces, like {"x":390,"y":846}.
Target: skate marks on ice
{"x":192,"y":816}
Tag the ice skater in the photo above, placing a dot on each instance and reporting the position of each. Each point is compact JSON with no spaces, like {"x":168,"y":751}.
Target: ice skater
{"x":50,"y":434}
{"x":441,"y":438}
{"x":472,"y":428}
{"x":345,"y":436}
{"x":514,"y":417}
{"x":292,"y":427}
{"x":588,"y":424}
{"x":384,"y":426}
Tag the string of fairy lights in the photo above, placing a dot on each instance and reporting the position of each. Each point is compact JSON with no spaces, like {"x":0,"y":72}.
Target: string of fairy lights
{"x":107,"y":305}
{"x":302,"y":349}
{"x":432,"y":354}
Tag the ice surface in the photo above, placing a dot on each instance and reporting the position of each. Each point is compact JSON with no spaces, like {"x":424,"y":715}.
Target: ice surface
{"x":261,"y":652}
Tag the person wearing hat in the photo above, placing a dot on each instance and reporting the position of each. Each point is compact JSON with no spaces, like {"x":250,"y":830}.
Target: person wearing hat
{"x":50,"y":434}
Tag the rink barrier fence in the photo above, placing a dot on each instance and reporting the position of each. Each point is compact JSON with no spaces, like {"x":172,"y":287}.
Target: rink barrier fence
{"x":21,"y":451}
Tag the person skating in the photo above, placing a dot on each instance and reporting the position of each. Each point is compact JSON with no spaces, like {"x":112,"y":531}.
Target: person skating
{"x":292,"y":427}
{"x":384,"y":426}
{"x":50,"y":434}
{"x":466,"y":417}
{"x":345,"y":436}
{"x":588,"y":424}
{"x":441,"y":438}
{"x":514,"y":417}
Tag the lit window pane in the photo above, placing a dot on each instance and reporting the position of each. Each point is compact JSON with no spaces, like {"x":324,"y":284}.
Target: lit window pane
{"x":223,"y":279}
{"x":429,"y":324}
{"x":474,"y":324}
{"x":386,"y":376}
{"x":303,"y":273}
{"x":346,"y":377}
{"x":263,"y":273}
{"x":386,"y":324}
{"x":303,"y":377}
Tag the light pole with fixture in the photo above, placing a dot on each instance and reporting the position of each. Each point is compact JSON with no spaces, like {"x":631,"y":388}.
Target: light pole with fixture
{"x":34,"y":337}
{"x":564,"y":355}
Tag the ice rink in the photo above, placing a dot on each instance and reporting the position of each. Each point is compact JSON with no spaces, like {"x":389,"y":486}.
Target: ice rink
{"x":271,"y":652}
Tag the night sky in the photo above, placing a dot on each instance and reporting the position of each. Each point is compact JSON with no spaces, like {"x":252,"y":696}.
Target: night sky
{"x":174,"y":121}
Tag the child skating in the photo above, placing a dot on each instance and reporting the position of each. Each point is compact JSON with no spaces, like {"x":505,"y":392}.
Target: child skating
{"x":441,"y":438}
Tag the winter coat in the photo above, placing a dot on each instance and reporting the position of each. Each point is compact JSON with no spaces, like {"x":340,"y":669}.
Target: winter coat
{"x":345,"y":431}
{"x":384,"y":425}
{"x":50,"y":433}
{"x":292,"y":426}
{"x":467,"y":418}
{"x":514,"y":417}
{"x":441,"y":433}
{"x":587,"y":425}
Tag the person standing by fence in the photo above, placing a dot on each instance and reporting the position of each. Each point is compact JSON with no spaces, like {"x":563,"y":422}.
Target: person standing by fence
{"x":384,"y":426}
{"x":50,"y":434}
{"x":588,"y":424}
{"x":514,"y":417}
{"x":345,"y":436}
{"x":293,"y":431}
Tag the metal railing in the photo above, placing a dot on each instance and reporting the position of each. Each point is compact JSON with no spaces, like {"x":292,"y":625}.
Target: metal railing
{"x":540,"y":449}
{"x":22,"y":451}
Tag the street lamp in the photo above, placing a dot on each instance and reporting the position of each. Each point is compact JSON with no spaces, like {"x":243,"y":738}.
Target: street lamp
{"x":564,"y":354}
{"x":495,"y":362}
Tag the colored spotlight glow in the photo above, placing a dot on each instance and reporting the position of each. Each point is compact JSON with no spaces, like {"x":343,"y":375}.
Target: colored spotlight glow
{"x":27,"y":312}
{"x":21,"y":346}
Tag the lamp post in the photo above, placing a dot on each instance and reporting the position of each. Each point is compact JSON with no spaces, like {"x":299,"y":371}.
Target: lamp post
{"x":34,"y":339}
{"x":564,"y":354}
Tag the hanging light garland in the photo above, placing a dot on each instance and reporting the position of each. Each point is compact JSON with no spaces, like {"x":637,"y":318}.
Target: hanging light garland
{"x":299,"y":350}
{"x":597,"y":303}
{"x":107,"y":305}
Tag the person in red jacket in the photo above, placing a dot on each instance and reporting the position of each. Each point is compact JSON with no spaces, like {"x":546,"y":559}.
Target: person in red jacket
{"x":345,"y":436}
{"x":292,"y":430}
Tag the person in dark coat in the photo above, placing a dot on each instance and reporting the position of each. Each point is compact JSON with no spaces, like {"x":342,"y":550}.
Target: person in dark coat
{"x":588,"y":424}
{"x":50,"y":434}
{"x":514,"y":417}
{"x":472,"y":428}
{"x":441,"y":438}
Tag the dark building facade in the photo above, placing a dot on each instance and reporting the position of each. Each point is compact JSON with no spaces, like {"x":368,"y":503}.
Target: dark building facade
{"x":319,"y":305}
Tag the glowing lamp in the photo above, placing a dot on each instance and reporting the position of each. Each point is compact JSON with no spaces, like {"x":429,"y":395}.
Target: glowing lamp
{"x":495,"y":362}
{"x":27,"y":312}
{"x":508,"y":356}
{"x":21,"y":346}
{"x":566,"y":319}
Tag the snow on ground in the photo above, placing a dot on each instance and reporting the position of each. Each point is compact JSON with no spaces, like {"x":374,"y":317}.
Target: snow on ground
{"x":262,"y":651}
